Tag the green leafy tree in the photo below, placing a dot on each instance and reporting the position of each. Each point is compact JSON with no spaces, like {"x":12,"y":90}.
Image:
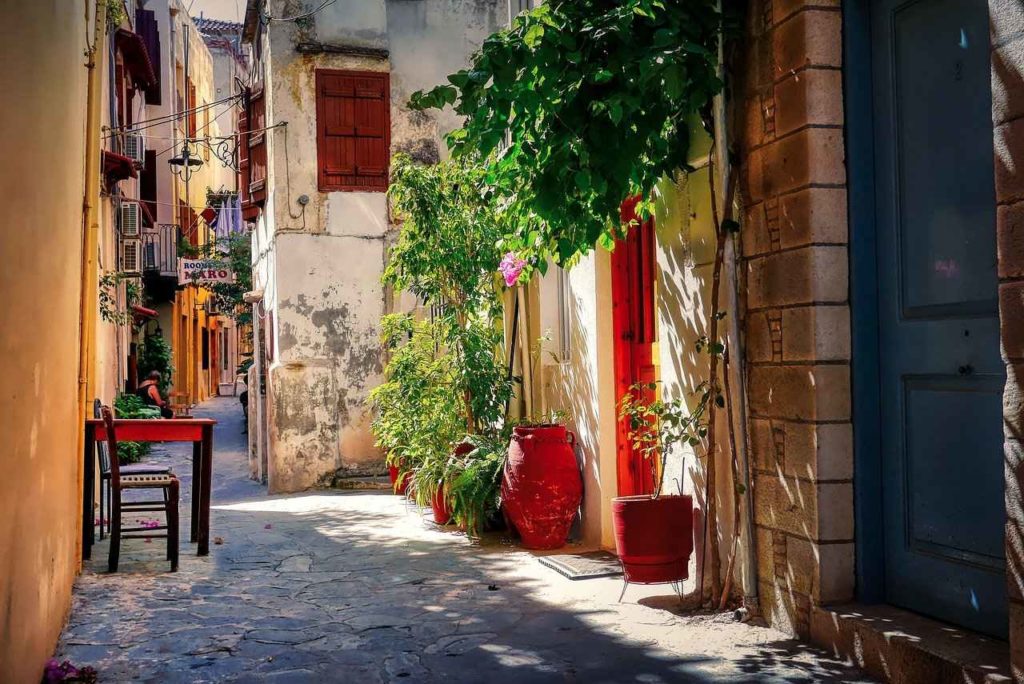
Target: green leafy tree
{"x":155,"y":355}
{"x":579,"y":105}
{"x":229,"y":295}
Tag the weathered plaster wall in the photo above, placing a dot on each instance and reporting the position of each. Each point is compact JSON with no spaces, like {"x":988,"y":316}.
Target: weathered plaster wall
{"x":320,"y":264}
{"x":1007,"y":32}
{"x":40,"y":504}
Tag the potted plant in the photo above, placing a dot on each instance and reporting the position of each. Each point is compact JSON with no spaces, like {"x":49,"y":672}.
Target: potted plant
{"x":654,"y":533}
{"x":474,"y":482}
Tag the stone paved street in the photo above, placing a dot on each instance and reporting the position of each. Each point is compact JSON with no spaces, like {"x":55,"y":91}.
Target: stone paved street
{"x":358,"y":587}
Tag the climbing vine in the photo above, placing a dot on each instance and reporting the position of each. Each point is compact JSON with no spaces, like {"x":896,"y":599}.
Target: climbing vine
{"x":579,"y":105}
{"x":110,"y":309}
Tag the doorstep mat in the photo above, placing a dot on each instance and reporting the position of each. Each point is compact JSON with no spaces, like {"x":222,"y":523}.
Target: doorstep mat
{"x":581,"y":566}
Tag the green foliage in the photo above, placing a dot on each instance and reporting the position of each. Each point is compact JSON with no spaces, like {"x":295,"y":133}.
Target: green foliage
{"x":418,"y":413}
{"x":474,"y":482}
{"x":116,"y":14}
{"x":131,"y":406}
{"x":229,"y":295}
{"x":155,"y":355}
{"x":656,"y":426}
{"x":579,"y":105}
{"x":446,"y":254}
{"x":446,"y":377}
{"x":109,"y":285}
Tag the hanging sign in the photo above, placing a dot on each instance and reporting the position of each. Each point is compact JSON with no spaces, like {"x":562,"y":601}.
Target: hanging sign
{"x":204,"y":271}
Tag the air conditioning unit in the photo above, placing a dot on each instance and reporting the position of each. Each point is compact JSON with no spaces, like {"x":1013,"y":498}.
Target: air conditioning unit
{"x":131,"y":257}
{"x":135,"y":147}
{"x":130,"y":219}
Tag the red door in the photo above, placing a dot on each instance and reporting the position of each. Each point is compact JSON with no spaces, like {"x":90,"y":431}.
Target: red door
{"x":633,"y":315}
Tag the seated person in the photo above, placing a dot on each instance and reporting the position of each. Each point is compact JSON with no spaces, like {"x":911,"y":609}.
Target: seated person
{"x":149,"y":392}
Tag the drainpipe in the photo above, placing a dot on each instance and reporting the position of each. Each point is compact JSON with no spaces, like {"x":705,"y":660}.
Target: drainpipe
{"x":90,"y":224}
{"x":737,"y":366}
{"x":255,"y":297}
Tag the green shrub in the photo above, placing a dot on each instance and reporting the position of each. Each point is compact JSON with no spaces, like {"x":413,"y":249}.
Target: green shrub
{"x":131,"y":406}
{"x":155,"y":355}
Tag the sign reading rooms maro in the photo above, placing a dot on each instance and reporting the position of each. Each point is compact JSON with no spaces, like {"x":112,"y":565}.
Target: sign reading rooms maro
{"x":202,"y":271}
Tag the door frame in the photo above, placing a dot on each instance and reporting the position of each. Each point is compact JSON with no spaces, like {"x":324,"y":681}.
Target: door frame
{"x":869,"y":542}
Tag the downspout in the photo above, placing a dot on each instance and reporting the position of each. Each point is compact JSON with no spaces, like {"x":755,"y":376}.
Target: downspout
{"x":90,"y":224}
{"x":737,"y":366}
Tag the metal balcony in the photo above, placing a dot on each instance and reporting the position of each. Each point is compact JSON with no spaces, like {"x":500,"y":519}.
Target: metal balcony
{"x":160,"y":250}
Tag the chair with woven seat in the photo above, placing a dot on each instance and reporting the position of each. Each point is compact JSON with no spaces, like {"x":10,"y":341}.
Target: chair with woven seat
{"x":104,"y":461}
{"x":121,"y":481}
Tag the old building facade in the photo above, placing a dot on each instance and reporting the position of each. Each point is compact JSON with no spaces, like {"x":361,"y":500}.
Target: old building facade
{"x":331,"y":92}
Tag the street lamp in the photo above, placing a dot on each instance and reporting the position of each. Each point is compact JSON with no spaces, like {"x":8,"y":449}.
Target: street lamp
{"x":184,"y":164}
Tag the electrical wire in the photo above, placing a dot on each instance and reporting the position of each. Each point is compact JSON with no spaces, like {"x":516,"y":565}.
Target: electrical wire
{"x":167,"y":118}
{"x":324,"y":4}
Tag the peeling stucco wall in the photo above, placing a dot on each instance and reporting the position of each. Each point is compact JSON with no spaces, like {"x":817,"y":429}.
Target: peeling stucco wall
{"x":319,"y":264}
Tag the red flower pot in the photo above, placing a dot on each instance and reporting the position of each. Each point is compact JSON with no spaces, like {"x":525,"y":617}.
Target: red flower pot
{"x":442,"y":514}
{"x":541,"y":488}
{"x":654,"y":537}
{"x":398,"y":487}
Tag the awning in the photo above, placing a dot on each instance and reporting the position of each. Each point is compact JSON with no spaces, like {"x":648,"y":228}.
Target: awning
{"x":117,"y":167}
{"x":141,"y":313}
{"x":136,"y":58}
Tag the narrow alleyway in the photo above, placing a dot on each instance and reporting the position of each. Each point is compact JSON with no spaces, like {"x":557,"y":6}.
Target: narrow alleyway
{"x":357,"y":587}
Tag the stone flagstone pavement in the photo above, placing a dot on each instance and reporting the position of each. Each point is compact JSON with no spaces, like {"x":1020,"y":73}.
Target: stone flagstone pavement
{"x":358,"y":587}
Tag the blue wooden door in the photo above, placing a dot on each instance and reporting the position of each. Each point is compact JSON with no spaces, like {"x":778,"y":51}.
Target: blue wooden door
{"x":940,"y":372}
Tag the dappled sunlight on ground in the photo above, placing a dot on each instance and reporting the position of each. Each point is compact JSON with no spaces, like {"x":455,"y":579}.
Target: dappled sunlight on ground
{"x":359,"y":587}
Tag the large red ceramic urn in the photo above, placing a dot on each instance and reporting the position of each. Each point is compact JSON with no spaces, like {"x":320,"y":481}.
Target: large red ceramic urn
{"x":654,"y":537}
{"x":541,"y":488}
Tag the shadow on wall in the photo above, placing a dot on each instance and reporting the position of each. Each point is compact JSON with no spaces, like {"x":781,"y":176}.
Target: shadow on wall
{"x":686,"y":252}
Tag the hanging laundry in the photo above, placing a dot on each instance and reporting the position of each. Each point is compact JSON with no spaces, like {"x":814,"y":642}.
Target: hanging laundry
{"x":237,"y":223}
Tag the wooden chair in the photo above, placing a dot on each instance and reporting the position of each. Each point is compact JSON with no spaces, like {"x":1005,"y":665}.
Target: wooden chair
{"x":166,"y":482}
{"x":104,"y":462}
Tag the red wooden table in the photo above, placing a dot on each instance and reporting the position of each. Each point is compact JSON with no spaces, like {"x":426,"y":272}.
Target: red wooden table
{"x":199,"y":431}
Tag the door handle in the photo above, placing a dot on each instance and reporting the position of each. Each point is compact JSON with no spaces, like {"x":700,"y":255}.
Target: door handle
{"x":966,"y":369}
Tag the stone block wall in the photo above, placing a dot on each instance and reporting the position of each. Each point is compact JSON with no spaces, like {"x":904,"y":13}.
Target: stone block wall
{"x":793,"y":189}
{"x":1007,"y":34}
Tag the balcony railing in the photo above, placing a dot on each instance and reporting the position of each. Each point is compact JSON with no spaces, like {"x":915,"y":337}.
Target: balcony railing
{"x":160,"y":250}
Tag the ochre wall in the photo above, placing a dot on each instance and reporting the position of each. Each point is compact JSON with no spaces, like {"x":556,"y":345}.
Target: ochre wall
{"x":43,"y":82}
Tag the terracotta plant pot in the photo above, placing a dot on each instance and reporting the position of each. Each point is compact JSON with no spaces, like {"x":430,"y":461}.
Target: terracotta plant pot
{"x":541,"y":488}
{"x":442,"y":514}
{"x":654,"y":537}
{"x":396,"y":486}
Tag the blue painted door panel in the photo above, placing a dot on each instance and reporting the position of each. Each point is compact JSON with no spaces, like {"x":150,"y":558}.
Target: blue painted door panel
{"x":940,"y":373}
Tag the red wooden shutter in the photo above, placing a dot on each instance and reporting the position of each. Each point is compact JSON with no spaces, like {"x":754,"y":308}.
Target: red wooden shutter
{"x":353,"y":130}
{"x":147,"y":189}
{"x":249,"y":210}
{"x":257,"y":147}
{"x":190,"y":105}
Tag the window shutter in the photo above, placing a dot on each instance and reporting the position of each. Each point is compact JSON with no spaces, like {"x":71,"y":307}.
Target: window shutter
{"x":190,"y":105}
{"x":147,"y":189}
{"x":258,"y":147}
{"x":353,"y":130}
{"x":249,"y":210}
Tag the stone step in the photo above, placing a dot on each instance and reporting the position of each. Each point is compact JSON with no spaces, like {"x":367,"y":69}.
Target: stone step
{"x":899,"y":646}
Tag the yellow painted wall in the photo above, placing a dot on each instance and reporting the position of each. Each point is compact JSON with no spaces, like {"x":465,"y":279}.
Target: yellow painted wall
{"x":190,"y":379}
{"x":583,"y":383}
{"x":40,"y":237}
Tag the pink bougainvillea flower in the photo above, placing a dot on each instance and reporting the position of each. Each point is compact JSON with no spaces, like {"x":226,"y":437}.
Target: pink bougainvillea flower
{"x":510,"y":267}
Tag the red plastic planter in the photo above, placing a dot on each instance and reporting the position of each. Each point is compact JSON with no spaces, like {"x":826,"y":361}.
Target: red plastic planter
{"x":654,"y":537}
{"x":442,"y":514}
{"x":541,"y":488}
{"x":396,"y":486}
